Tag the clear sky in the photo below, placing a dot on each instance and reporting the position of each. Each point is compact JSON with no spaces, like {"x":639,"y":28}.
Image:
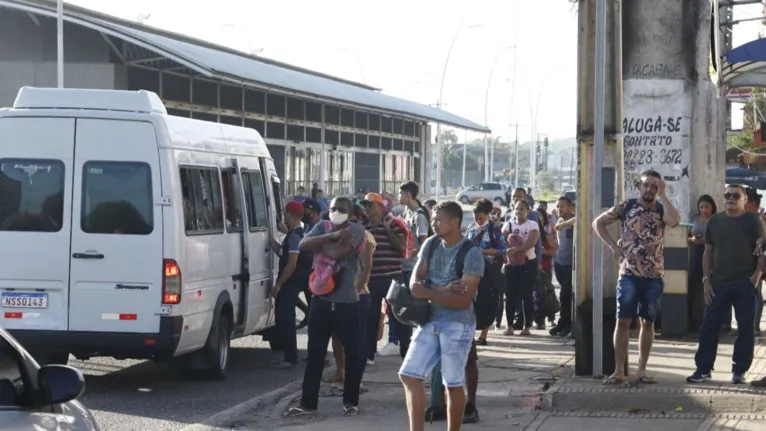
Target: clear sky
{"x":400,"y":46}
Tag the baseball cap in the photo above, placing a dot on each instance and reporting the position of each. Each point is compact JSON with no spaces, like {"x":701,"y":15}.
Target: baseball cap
{"x":372,"y":198}
{"x":311,"y":204}
{"x":294,"y":208}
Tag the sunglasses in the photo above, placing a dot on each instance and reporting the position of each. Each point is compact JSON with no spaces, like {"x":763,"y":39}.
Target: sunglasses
{"x":734,"y":196}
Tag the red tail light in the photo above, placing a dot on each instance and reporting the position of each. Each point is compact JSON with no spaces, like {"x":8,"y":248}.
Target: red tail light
{"x":171,"y":282}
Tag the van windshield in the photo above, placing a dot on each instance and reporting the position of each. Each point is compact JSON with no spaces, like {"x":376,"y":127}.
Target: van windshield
{"x":31,"y":195}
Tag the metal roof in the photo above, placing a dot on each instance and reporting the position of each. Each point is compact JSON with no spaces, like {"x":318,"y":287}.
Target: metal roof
{"x":218,"y":62}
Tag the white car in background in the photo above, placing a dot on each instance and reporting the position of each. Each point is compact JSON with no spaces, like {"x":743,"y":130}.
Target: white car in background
{"x":492,"y":191}
{"x":39,"y":398}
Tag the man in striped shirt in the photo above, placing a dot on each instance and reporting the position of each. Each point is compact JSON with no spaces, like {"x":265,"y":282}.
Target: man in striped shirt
{"x":386,"y":267}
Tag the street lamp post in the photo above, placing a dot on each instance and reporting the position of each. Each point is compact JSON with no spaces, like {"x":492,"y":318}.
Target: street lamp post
{"x":60,"y":43}
{"x":439,"y":106}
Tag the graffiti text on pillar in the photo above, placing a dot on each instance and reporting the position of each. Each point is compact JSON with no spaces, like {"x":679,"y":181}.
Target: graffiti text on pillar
{"x":658,"y":70}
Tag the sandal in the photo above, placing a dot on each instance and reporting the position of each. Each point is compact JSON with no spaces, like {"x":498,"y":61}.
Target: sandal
{"x":645,"y":380}
{"x":481,"y":341}
{"x":334,"y":379}
{"x":614,"y":380}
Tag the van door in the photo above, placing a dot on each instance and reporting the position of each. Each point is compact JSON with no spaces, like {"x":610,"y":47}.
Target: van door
{"x":259,"y":291}
{"x":116,"y":269}
{"x":36,"y":158}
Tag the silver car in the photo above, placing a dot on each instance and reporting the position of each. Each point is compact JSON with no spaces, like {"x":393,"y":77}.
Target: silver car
{"x":492,"y":191}
{"x":39,"y":398}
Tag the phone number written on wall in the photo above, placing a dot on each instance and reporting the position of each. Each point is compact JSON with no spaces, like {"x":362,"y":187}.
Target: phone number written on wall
{"x":648,"y":141}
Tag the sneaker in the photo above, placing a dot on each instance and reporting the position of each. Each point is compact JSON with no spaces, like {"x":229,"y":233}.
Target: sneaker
{"x":568,"y":335}
{"x":436,"y":414}
{"x":481,"y":342}
{"x":371,"y":362}
{"x":698,"y":377}
{"x":349,"y":410}
{"x":526,"y":331}
{"x":389,"y":349}
{"x":556,"y":330}
{"x":471,"y":415}
{"x":299,"y":410}
{"x":738,"y":378}
{"x":286,"y":365}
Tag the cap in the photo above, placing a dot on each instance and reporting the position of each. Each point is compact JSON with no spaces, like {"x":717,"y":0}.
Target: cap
{"x":311,"y":204}
{"x":294,"y":208}
{"x":372,"y":197}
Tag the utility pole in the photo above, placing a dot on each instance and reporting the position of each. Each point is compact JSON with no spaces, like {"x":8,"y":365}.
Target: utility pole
{"x":599,"y":184}
{"x":545,"y":152}
{"x":515,"y":163}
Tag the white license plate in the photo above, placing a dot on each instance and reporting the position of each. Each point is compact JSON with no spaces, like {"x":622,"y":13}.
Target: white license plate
{"x":24,"y":300}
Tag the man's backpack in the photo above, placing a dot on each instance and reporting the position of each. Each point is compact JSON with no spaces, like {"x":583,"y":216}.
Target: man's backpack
{"x":428,"y":220}
{"x":485,"y":303}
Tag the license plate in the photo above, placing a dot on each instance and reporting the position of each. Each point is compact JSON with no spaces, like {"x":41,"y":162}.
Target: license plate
{"x":24,"y":300}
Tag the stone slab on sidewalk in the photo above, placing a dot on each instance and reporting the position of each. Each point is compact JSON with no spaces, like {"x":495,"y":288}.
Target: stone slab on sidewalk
{"x":671,"y":362}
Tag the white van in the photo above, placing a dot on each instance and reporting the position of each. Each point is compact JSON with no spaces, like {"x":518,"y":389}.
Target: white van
{"x":121,"y":229}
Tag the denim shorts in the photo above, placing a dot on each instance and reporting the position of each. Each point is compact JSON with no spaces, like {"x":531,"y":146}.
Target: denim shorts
{"x":448,"y":342}
{"x":638,"y":297}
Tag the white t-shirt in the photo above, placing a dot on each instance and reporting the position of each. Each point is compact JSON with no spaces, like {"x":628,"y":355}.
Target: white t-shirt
{"x":523,"y":230}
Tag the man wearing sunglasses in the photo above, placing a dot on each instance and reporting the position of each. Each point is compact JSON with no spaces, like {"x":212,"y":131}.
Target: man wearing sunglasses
{"x":642,"y":266}
{"x":731,"y":270}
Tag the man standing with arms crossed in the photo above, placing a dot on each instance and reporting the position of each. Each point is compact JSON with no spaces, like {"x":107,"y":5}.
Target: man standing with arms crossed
{"x":642,"y":265}
{"x":730,"y":274}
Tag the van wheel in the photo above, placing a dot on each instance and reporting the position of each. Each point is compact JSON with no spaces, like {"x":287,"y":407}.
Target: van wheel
{"x":465,"y":200}
{"x":217,"y":349}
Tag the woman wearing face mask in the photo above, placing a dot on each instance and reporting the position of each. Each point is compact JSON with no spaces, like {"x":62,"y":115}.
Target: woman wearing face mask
{"x":521,"y":235}
{"x":489,"y":237}
{"x":362,"y":277}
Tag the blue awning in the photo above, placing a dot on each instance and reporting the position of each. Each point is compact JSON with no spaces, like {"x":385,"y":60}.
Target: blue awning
{"x":745,"y":65}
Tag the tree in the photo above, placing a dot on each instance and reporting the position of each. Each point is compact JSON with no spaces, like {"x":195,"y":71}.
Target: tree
{"x":547,"y":182}
{"x":754,"y":111}
{"x":452,"y":153}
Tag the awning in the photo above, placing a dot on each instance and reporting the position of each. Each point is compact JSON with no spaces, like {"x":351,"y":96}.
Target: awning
{"x":218,"y":62}
{"x":745,"y":65}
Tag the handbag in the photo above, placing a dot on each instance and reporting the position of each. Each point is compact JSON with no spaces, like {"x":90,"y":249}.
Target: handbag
{"x":406,"y":308}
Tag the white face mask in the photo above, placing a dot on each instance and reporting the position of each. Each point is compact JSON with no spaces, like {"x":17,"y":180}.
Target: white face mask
{"x":338,"y":218}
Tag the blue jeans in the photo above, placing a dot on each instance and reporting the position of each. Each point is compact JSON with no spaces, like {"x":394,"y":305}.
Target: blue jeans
{"x":448,"y":342}
{"x":742,"y":296}
{"x":284,"y":315}
{"x":638,"y":297}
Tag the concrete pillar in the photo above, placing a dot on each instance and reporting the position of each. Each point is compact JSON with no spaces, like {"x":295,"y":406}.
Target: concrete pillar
{"x":612,"y":182}
{"x":672,"y":123}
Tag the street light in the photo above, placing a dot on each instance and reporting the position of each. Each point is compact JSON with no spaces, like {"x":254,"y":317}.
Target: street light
{"x":486,"y":112}
{"x":439,"y":106}
{"x":533,"y":114}
{"x":358,"y":62}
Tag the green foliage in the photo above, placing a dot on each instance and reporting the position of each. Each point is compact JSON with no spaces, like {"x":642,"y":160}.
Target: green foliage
{"x":751,"y":122}
{"x":547,"y":182}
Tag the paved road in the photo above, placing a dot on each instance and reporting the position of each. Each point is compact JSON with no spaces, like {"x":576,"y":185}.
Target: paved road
{"x":135,"y":395}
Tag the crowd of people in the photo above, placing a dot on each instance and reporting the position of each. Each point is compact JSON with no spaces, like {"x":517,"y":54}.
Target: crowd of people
{"x":347,"y":257}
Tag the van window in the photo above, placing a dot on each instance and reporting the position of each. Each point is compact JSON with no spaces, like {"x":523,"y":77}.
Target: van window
{"x":117,"y":198}
{"x":277,"y":199}
{"x":231,"y":191}
{"x":255,"y":194}
{"x":31,"y":195}
{"x":203,"y":209}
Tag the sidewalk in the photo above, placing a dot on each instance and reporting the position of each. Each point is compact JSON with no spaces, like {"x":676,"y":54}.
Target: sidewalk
{"x":526,"y":383}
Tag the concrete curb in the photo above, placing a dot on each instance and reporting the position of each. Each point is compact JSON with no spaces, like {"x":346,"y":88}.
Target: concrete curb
{"x":282,"y":395}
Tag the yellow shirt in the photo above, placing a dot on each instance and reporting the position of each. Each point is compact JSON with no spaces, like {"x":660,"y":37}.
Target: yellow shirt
{"x":360,"y":271}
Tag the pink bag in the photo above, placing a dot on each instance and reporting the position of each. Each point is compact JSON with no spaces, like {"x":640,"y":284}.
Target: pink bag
{"x":322,"y":278}
{"x":518,"y":259}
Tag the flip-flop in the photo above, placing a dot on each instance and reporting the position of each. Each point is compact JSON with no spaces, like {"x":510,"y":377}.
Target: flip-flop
{"x":645,"y":380}
{"x":614,"y":381}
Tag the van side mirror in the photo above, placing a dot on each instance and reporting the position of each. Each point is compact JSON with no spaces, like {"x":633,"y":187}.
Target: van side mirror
{"x":60,"y":383}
